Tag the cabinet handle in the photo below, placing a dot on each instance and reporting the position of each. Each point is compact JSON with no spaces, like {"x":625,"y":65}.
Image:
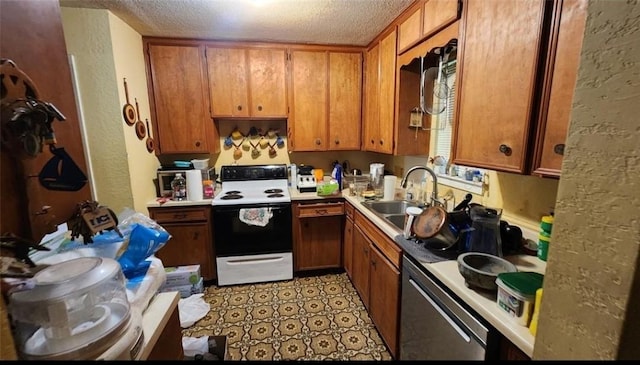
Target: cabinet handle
{"x":373,"y":263}
{"x":505,"y":149}
{"x":373,"y":142}
{"x":381,"y":142}
{"x":559,"y":149}
{"x":321,"y":211}
{"x":337,"y":141}
{"x":180,"y":215}
{"x":318,"y":142}
{"x":259,"y":108}
{"x":196,"y":235}
{"x":239,"y":107}
{"x":197,"y":143}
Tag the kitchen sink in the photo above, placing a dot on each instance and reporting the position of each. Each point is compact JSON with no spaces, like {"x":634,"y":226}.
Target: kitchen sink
{"x":389,"y":207}
{"x":392,"y":211}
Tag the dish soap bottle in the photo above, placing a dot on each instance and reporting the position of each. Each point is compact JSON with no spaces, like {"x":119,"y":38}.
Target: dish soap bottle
{"x":179,"y":187}
{"x":410,"y":194}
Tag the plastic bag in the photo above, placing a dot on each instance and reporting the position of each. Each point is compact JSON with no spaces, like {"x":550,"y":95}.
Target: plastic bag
{"x":193,"y":346}
{"x":143,"y":242}
{"x":192,"y":309}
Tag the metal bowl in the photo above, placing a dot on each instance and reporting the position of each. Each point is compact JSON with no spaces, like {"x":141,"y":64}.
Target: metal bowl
{"x":480,"y":270}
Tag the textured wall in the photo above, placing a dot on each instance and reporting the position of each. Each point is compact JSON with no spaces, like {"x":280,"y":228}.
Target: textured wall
{"x":87,"y":36}
{"x":593,"y":257}
{"x":128,"y":58}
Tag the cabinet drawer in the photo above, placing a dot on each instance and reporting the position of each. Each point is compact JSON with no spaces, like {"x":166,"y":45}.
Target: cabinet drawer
{"x":320,"y":209}
{"x":349,"y":210}
{"x":164,"y":215}
{"x":386,"y":245}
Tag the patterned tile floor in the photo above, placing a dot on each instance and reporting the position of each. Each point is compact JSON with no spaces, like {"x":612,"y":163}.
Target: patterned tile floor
{"x":307,"y":318}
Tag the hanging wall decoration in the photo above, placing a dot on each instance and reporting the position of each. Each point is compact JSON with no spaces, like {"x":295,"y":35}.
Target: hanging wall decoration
{"x":254,"y":140}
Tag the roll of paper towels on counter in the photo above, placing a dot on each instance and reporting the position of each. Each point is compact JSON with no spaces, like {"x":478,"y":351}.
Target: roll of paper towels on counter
{"x":389,"y":187}
{"x":194,"y":185}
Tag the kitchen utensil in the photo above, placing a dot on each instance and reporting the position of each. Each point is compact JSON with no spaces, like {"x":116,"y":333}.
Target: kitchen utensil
{"x":127,"y":111}
{"x":432,"y":225}
{"x":376,"y":172}
{"x":139,"y":126}
{"x":511,"y":237}
{"x":150,"y":144}
{"x":480,"y":270}
{"x":412,"y":213}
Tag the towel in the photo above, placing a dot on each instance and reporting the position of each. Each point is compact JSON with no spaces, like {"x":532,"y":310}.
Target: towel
{"x":256,"y":216}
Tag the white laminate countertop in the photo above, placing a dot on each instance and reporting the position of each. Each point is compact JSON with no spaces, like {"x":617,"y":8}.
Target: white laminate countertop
{"x":446,"y":271}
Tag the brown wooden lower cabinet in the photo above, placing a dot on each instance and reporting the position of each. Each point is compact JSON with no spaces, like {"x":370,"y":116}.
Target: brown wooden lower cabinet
{"x":376,"y":277}
{"x":509,"y":351}
{"x":317,"y":235}
{"x":347,"y":241}
{"x":191,"y":241}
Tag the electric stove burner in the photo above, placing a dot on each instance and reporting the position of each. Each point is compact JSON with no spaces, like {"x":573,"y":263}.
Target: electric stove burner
{"x":275,"y":196}
{"x":232,"y":192}
{"x":273,"y":191}
{"x":231,"y":196}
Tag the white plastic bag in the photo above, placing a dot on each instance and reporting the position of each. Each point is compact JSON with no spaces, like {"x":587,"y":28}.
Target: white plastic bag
{"x":191,"y":309}
{"x":193,"y":346}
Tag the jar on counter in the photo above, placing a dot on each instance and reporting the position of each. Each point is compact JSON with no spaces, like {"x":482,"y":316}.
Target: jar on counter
{"x":208,"y":189}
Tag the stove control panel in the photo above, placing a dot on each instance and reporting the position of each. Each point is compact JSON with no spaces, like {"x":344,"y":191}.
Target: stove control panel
{"x":253,"y":172}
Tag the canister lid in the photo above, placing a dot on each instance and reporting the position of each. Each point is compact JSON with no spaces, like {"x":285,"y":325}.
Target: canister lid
{"x":523,"y":282}
{"x":547,"y":219}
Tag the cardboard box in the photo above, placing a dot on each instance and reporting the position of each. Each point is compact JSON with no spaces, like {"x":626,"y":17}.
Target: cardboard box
{"x":218,"y":350}
{"x":184,"y":290}
{"x":182,"y":275}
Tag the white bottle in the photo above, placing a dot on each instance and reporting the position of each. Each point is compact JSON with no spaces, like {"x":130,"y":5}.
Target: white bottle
{"x":293,"y":181}
{"x":410,"y":194}
{"x":179,"y":187}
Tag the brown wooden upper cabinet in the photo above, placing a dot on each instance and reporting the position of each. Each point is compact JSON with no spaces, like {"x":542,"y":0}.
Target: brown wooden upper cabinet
{"x":560,"y":80}
{"x":179,"y":98}
{"x":427,"y":18}
{"x":503,"y":60}
{"x":247,"y":82}
{"x":499,"y":63}
{"x":380,"y":90}
{"x":326,"y":100}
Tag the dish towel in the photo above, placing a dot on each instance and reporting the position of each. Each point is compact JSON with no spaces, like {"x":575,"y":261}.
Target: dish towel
{"x":256,"y":216}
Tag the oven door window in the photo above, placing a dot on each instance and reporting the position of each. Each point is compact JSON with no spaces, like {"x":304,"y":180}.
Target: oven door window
{"x":236,"y":238}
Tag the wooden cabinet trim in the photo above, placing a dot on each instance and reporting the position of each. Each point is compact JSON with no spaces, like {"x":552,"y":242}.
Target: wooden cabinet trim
{"x":163,"y":215}
{"x":320,"y":210}
{"x":349,"y":210}
{"x":387,"y":246}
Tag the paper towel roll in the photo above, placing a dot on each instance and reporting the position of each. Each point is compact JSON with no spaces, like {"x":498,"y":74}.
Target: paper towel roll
{"x":194,"y":185}
{"x":389,"y":187}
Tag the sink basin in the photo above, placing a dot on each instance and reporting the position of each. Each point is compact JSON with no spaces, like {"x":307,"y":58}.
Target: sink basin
{"x":396,"y":219}
{"x":389,"y":207}
{"x":392,"y":211}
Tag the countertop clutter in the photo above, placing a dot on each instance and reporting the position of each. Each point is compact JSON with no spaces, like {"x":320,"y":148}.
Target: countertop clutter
{"x":484,"y":303}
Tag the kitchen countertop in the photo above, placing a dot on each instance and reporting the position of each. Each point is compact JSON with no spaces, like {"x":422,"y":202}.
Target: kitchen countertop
{"x":446,"y":271}
{"x":482,"y":302}
{"x":155,"y":318}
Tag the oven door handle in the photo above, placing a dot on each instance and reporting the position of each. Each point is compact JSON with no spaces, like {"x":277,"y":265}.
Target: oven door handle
{"x":249,"y":261}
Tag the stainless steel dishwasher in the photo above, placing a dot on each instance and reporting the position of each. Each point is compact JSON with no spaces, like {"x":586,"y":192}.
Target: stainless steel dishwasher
{"x":434,"y":325}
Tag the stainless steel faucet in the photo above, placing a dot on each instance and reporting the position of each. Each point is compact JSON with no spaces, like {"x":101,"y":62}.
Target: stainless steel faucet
{"x":434,"y":193}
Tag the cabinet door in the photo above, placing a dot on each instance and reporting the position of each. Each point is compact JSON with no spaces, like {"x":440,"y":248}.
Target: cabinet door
{"x":347,"y":247}
{"x":228,"y":82}
{"x":268,"y":85}
{"x":309,"y":94}
{"x":410,"y":30}
{"x":497,"y":82}
{"x":345,"y":100}
{"x":180,"y":98}
{"x":190,"y":244}
{"x":438,"y":14}
{"x":319,"y":243}
{"x":384,"y":296}
{"x":386,"y":100}
{"x":563,"y":71}
{"x":371,"y":109}
{"x":360,"y":260}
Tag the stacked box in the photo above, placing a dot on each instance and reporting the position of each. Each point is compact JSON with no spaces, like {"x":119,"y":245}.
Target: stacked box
{"x":185,"y":290}
{"x":183,"y":279}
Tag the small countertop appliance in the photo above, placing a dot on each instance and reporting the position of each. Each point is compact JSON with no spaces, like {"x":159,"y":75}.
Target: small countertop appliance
{"x":306,"y":181}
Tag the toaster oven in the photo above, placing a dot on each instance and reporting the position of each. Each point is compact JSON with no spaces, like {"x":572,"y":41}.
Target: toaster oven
{"x":166,"y":176}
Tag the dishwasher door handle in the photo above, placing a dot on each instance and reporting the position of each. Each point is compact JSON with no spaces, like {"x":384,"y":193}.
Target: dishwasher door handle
{"x":444,"y":315}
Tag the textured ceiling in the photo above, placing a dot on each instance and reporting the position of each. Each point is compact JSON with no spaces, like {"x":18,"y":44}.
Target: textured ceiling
{"x":352,"y":22}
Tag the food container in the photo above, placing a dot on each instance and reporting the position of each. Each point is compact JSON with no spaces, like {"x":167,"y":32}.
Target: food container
{"x":516,"y":294}
{"x":200,"y":164}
